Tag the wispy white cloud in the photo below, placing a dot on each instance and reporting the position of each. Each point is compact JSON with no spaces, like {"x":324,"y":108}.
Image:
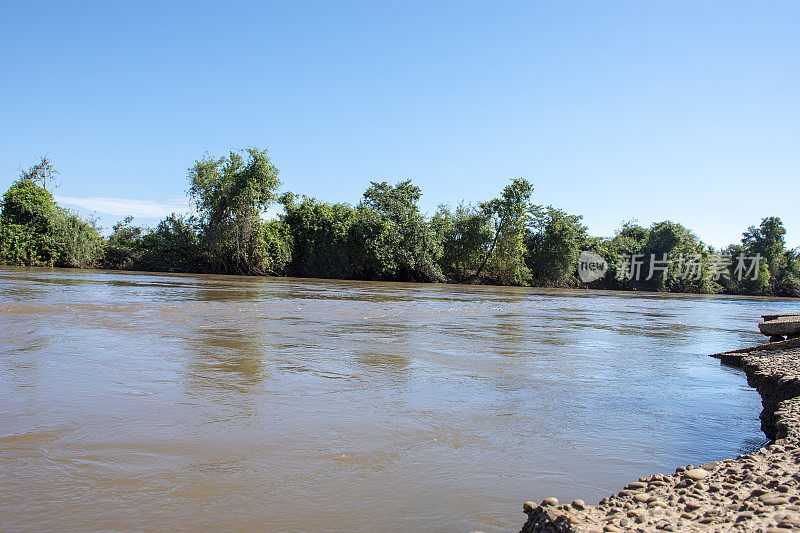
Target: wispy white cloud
{"x":150,"y":209}
{"x":127,"y":206}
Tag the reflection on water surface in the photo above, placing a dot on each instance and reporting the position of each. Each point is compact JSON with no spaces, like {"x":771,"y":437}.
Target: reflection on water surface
{"x":144,"y":401}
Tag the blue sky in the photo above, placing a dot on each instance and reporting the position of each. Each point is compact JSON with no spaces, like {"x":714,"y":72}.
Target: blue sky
{"x":681,"y":110}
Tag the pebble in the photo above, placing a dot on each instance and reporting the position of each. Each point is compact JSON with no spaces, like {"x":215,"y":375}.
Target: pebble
{"x":696,"y":473}
{"x":774,"y":500}
{"x":579,"y":504}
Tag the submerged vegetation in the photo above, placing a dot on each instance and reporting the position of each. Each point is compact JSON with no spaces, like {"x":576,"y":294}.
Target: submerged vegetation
{"x":505,"y":240}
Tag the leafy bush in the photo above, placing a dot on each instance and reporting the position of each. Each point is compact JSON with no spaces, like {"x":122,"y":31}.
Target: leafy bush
{"x":554,"y":241}
{"x":37,"y":232}
{"x":124,"y":245}
{"x":18,"y":245}
{"x":465,"y":236}
{"x":173,"y":246}
{"x":319,"y":234}
{"x":392,"y":238}
{"x":76,"y":241}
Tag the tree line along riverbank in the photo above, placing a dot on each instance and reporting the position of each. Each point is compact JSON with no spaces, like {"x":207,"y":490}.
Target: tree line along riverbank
{"x":507,"y":240}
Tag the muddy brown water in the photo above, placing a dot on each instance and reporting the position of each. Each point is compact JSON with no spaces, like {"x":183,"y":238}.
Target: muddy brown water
{"x":133,"y":401}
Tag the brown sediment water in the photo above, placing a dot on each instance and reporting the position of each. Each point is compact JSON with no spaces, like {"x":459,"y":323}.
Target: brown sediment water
{"x":757,"y":491}
{"x":152,"y":401}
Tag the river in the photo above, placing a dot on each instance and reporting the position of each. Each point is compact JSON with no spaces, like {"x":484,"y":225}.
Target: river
{"x":153,"y":401}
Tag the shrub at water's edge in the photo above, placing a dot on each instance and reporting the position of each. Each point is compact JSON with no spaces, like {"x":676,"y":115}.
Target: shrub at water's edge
{"x":506,"y":240}
{"x":34,"y":231}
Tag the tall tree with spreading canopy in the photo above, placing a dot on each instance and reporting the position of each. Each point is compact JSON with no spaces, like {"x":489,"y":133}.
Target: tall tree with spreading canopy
{"x":508,"y":216}
{"x":769,"y":242}
{"x":232,"y":195}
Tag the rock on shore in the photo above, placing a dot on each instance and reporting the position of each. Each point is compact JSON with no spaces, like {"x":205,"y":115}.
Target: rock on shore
{"x":756,"y":492}
{"x":784,"y":325}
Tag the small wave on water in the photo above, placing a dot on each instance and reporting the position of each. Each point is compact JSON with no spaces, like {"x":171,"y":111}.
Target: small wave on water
{"x":373,"y":406}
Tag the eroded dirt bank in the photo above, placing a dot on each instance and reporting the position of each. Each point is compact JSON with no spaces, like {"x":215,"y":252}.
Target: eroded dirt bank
{"x":756,"y":492}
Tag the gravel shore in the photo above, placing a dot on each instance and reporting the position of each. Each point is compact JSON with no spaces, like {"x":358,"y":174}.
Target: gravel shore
{"x":756,"y":492}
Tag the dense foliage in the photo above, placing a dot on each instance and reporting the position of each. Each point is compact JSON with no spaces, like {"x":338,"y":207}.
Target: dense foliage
{"x":383,"y":238}
{"x":34,"y":231}
{"x":504,"y":240}
{"x":231,"y":195}
{"x":553,"y":243}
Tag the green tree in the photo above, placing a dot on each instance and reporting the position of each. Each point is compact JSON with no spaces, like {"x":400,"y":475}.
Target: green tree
{"x":630,"y":238}
{"x":627,"y":242}
{"x":554,"y":241}
{"x":124,"y":233}
{"x":37,"y":232}
{"x":669,"y":254}
{"x":606,"y":249}
{"x":19,"y":245}
{"x":42,"y":173}
{"x":391,"y":236}
{"x":320,"y":238}
{"x":124,"y":245}
{"x":173,"y":246}
{"x":28,"y":204}
{"x":789,"y":281}
{"x":507,"y":215}
{"x":232,"y":195}
{"x":768,"y":242}
{"x":687,"y":266}
{"x":740,"y":279}
{"x":464,"y":235}
{"x":76,"y":241}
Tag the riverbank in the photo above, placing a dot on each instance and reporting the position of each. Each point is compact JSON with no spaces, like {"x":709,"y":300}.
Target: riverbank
{"x":755,"y":492}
